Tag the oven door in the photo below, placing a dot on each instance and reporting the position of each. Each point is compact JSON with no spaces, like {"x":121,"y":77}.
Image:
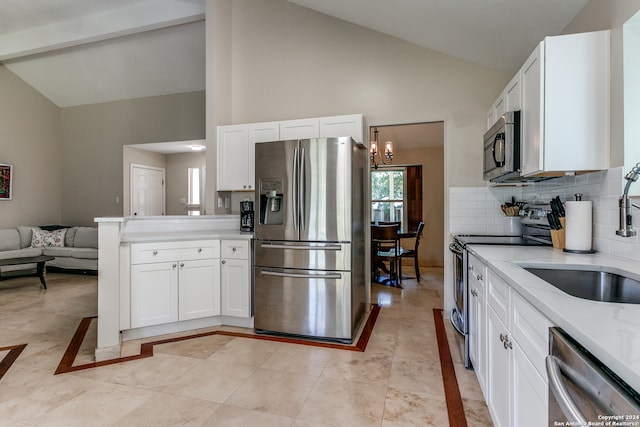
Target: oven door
{"x":459,"y":314}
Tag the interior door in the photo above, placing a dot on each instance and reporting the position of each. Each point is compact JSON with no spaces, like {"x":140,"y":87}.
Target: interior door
{"x":147,"y":190}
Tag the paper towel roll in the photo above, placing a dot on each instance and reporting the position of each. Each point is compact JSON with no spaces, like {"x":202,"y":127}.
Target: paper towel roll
{"x":579,"y":225}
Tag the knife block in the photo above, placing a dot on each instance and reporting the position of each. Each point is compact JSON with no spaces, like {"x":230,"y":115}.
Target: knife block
{"x":557,"y":236}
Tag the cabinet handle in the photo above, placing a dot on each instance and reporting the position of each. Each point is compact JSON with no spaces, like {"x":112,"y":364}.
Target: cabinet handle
{"x":224,"y":262}
{"x":181,"y":264}
{"x":244,"y":186}
{"x":479,"y":277}
{"x":174,"y":265}
{"x":155,"y":253}
{"x":233,"y":249}
{"x":199,"y":250}
{"x":508,"y":345}
{"x":502,"y":337}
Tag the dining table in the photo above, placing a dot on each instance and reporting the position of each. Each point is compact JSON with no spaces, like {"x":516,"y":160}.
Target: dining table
{"x":380,"y":265}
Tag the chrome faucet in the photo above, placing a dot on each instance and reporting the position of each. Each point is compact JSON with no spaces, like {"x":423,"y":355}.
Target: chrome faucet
{"x":625,"y":204}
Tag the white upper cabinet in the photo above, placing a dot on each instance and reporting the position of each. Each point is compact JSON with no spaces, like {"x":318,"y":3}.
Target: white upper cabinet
{"x":350,"y":125}
{"x":258,"y":132}
{"x":236,"y":151}
{"x":233,"y":157}
{"x":509,"y":100}
{"x":300,"y":129}
{"x":236,"y":154}
{"x":513,"y":94}
{"x":565,"y":105}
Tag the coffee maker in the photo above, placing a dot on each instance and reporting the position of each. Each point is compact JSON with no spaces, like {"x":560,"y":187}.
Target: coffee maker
{"x":246,"y":215}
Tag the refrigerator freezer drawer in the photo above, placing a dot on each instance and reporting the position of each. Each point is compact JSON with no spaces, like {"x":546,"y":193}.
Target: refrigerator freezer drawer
{"x":303,"y":302}
{"x":303,"y":255}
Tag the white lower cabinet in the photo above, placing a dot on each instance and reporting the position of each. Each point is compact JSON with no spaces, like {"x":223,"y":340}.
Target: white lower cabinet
{"x":154,"y":294}
{"x":478,"y":320}
{"x":499,"y":372}
{"x":512,"y":337}
{"x":236,"y":278}
{"x":199,"y":289}
{"x":173,"y":281}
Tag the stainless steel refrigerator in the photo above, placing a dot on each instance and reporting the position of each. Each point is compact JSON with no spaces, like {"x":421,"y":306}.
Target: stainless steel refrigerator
{"x":309,"y":237}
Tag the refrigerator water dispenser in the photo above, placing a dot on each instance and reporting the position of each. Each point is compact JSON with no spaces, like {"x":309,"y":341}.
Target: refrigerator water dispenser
{"x":271,"y":202}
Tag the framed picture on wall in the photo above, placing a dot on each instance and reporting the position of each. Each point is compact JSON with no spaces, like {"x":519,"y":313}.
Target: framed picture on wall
{"x":6,"y":181}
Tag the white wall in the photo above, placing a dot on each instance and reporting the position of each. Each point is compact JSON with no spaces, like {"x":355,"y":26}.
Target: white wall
{"x":291,"y":62}
{"x":30,"y":141}
{"x":93,"y":135}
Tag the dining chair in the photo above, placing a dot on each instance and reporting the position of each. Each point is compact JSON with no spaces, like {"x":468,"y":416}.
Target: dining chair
{"x":412,"y":253}
{"x":385,"y":247}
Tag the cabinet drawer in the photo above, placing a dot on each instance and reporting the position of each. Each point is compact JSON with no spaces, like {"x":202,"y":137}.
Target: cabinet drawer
{"x":499,"y":297}
{"x":234,"y":249}
{"x":477,"y":274}
{"x":531,"y":330}
{"x":142,"y":253}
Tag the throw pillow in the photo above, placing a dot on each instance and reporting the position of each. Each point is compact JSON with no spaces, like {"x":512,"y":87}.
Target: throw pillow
{"x":48,"y":239}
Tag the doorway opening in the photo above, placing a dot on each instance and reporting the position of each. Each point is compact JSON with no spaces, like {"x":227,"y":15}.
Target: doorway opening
{"x":411,"y":188}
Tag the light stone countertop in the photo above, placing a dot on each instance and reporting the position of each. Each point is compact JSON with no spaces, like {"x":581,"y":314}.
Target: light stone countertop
{"x":610,"y":331}
{"x":172,"y":236}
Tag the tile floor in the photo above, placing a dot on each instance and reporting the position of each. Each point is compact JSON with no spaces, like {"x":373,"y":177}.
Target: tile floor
{"x":227,"y":381}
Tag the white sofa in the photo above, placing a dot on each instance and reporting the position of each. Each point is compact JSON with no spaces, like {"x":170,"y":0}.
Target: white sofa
{"x":79,"y":253}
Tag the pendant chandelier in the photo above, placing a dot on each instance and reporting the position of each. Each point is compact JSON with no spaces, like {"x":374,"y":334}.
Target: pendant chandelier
{"x":378,"y":158}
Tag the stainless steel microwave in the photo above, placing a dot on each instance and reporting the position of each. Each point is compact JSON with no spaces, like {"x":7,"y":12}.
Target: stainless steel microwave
{"x":502,"y":148}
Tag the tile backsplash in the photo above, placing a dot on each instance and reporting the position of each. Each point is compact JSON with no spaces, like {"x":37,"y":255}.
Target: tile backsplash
{"x":477,"y":209}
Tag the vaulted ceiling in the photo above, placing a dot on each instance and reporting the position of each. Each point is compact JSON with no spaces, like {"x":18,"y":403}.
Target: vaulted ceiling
{"x":89,"y":51}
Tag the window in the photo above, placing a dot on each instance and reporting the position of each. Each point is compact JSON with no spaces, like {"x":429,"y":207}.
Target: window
{"x":396,"y":195}
{"x":193,"y":204}
{"x":387,"y":195}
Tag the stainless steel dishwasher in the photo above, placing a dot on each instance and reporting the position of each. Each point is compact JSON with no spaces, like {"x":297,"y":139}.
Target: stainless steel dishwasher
{"x":582,"y":391}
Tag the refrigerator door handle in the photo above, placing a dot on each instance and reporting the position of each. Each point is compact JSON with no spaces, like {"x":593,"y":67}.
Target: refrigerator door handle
{"x":302,"y":197}
{"x":302,"y":248}
{"x":295,"y":189}
{"x":335,"y":276}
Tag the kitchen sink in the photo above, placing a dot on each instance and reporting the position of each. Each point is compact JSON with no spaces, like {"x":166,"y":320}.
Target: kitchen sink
{"x":603,"y":285}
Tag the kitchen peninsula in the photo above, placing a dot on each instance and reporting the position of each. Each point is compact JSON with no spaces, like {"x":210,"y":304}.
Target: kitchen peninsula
{"x":159,"y":275}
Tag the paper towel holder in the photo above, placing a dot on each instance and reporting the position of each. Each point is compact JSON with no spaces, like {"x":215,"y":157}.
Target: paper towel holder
{"x":578,"y":197}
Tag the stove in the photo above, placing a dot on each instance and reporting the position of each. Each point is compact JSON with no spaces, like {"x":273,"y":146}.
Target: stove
{"x":488,"y":239}
{"x":534,"y":235}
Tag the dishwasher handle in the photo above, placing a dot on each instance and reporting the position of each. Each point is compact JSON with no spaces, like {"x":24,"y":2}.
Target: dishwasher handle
{"x":567,"y":405}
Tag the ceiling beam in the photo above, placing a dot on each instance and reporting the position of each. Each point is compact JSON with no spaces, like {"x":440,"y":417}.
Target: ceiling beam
{"x":136,"y":18}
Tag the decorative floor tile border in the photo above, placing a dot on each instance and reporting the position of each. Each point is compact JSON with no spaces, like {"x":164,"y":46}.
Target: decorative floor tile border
{"x":10,"y":358}
{"x":455,"y":409}
{"x":146,"y":349}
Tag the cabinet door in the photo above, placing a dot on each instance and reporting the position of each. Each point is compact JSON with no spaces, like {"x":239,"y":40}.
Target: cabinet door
{"x":480,"y":319}
{"x":532,"y":115}
{"x":498,"y":371}
{"x":199,"y":289}
{"x":300,"y":129}
{"x":236,"y":287}
{"x":530,"y":392}
{"x":349,"y":125}
{"x":513,"y":95}
{"x":232,"y":157}
{"x":154,"y":294}
{"x":259,"y":132}
{"x":473,"y":325}
{"x":499,"y":107}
